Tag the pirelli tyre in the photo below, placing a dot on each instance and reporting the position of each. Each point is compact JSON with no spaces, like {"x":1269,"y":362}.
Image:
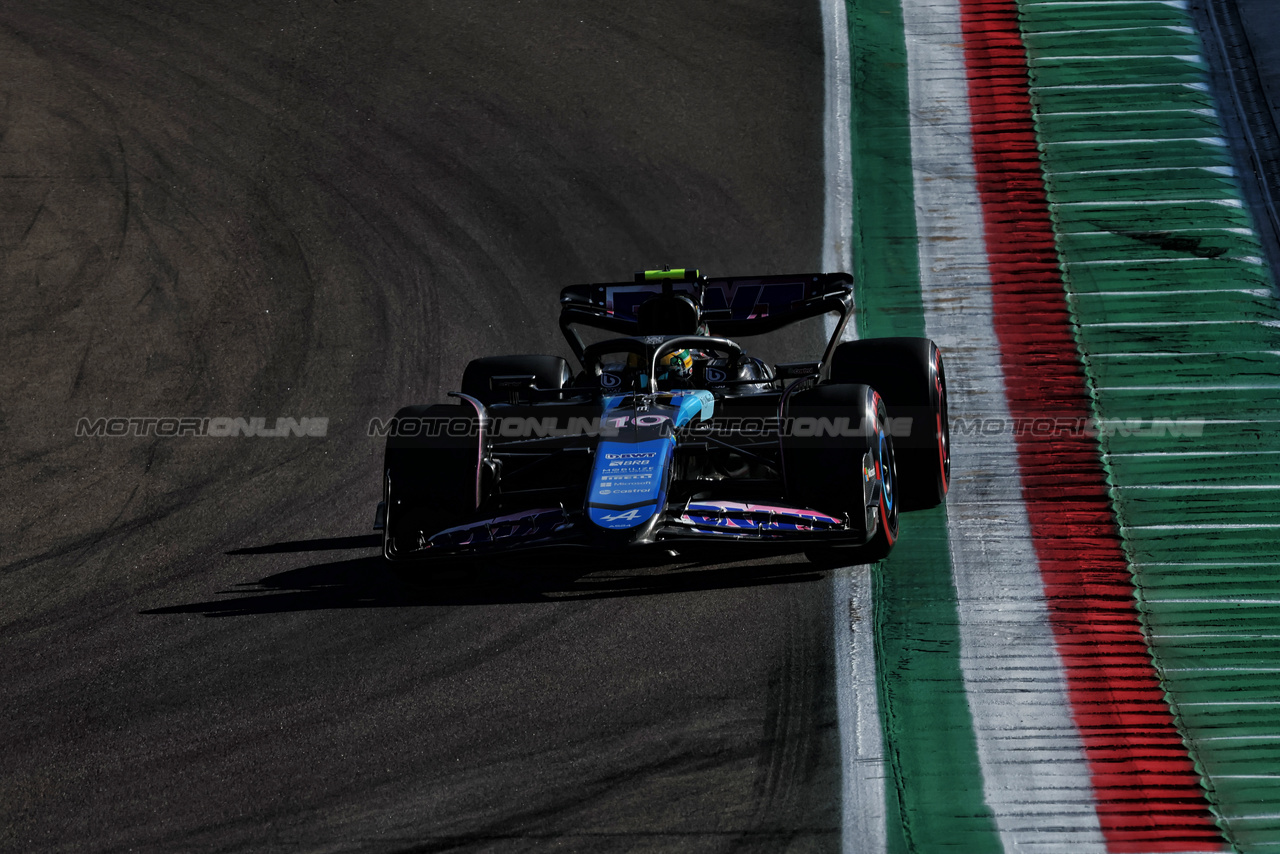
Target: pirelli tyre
{"x":433,"y":474}
{"x":548,"y":372}
{"x":838,"y":457}
{"x":910,"y":376}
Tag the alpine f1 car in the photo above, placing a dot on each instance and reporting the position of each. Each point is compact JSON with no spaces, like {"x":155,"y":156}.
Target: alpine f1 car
{"x":671,"y":435}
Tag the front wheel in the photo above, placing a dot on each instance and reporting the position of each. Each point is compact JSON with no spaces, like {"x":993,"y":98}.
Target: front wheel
{"x":838,"y":457}
{"x":881,"y":503}
{"x":432,"y":475}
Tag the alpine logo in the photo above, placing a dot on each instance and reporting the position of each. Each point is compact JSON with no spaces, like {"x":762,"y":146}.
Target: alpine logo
{"x":631,"y":515}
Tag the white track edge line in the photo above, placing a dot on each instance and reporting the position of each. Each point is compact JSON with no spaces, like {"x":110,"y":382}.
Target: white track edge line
{"x":862,"y":767}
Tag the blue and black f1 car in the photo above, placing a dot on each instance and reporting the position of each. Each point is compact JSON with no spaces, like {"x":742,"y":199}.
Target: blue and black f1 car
{"x":671,"y":435}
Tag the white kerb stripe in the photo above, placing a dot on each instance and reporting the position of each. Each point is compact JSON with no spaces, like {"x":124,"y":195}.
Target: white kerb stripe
{"x":838,"y":214}
{"x":857,"y":705}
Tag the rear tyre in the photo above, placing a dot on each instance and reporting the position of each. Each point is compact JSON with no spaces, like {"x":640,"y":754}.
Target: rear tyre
{"x":851,"y":473}
{"x":547,"y":372}
{"x":910,"y":376}
{"x":432,"y":475}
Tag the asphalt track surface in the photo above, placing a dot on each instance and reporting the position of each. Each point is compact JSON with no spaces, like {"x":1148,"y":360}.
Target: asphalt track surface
{"x":321,"y":209}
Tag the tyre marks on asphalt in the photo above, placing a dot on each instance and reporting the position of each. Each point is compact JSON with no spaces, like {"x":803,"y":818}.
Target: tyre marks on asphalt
{"x":800,"y":741}
{"x":330,"y":208}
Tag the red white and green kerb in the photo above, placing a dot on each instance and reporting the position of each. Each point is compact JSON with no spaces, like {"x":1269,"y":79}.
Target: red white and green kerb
{"x":1086,"y":634}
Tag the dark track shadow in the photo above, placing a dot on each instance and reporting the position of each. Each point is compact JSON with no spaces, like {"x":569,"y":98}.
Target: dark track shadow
{"x":364,"y":541}
{"x":370,"y":582}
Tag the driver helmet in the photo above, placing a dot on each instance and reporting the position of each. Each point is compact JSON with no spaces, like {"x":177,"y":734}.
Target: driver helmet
{"x":677,"y":365}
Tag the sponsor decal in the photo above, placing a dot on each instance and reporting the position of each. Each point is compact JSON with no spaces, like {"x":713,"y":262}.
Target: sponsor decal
{"x":624,"y":475}
{"x":621,"y":518}
{"x":635,"y":514}
{"x":529,"y":525}
{"x":730,"y":516}
{"x":744,"y":299}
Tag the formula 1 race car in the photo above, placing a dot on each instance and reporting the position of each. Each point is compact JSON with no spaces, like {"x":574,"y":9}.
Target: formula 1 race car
{"x":672,"y":436}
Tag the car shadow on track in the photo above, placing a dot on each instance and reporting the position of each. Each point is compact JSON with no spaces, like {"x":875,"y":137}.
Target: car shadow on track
{"x":369,"y":581}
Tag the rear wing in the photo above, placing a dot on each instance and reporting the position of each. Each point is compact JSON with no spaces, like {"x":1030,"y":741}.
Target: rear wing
{"x":732,"y":307}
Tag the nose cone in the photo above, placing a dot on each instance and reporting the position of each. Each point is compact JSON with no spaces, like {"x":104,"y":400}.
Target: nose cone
{"x":629,"y":485}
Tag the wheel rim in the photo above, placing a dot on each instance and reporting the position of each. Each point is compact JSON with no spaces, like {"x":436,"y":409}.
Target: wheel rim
{"x":943,"y":426}
{"x":886,"y":473}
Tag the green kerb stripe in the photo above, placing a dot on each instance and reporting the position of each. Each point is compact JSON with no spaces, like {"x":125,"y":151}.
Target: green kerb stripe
{"x":935,"y":792}
{"x":1180,"y":331}
{"x":886,"y":265}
